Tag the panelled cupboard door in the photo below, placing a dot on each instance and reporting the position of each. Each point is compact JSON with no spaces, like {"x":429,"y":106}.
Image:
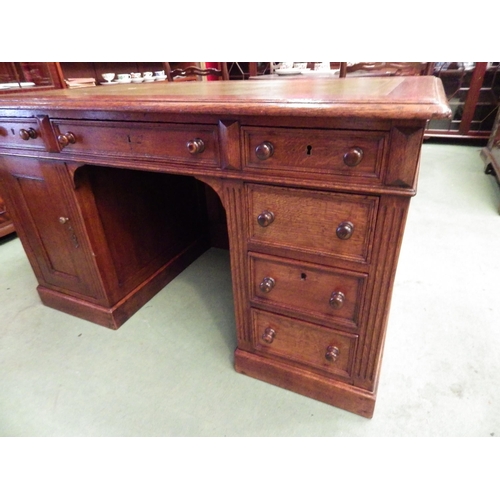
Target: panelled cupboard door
{"x":42,"y":201}
{"x":6,"y":226}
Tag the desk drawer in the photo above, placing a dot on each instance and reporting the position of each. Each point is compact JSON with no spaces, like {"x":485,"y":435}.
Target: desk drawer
{"x":184,"y":144}
{"x":310,"y":344}
{"x":21,"y":133}
{"x":312,"y":221}
{"x":319,"y":292}
{"x":338,"y":152}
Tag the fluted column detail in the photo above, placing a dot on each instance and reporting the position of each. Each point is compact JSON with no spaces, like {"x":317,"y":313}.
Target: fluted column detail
{"x":390,"y":225}
{"x":233,"y":197}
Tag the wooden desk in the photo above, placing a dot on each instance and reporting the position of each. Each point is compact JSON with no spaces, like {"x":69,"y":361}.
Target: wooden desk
{"x":6,"y":225}
{"x":299,"y":76}
{"x":323,"y":74}
{"x":316,"y":176}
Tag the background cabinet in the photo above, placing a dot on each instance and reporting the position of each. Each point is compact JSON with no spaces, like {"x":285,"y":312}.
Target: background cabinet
{"x":28,"y":76}
{"x":94,"y":70}
{"x":491,"y":153}
{"x":473,"y":93}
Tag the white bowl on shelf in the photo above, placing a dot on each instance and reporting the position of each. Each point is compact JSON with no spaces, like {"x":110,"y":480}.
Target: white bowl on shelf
{"x":109,"y":77}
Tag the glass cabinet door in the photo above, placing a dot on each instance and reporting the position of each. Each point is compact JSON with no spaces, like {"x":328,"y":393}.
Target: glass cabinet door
{"x":15,"y":76}
{"x":473,"y":91}
{"x":486,"y":108}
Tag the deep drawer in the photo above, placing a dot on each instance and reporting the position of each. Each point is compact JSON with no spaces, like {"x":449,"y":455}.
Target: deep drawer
{"x":184,"y":144}
{"x":300,"y":288}
{"x":337,"y":152}
{"x":299,"y":341}
{"x":312,"y":221}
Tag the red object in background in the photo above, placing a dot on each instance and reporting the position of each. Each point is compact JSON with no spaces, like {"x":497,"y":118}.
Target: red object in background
{"x":212,"y":65}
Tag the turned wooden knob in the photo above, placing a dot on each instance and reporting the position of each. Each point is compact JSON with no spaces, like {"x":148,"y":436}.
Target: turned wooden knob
{"x":337,"y":300}
{"x":264,"y":150}
{"x":265,"y":218}
{"x":195,"y":146}
{"x":267,"y":284}
{"x":353,"y":157}
{"x":268,"y":335}
{"x":26,"y":135}
{"x":66,"y":139}
{"x":344,"y":230}
{"x":332,"y":353}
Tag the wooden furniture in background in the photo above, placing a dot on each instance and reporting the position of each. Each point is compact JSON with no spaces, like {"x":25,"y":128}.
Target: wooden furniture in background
{"x":30,"y":76}
{"x":96,"y":69}
{"x":106,"y":190}
{"x":491,"y":153}
{"x":473,"y":92}
{"x":385,"y":69}
{"x":246,"y":70}
{"x":217,"y":73}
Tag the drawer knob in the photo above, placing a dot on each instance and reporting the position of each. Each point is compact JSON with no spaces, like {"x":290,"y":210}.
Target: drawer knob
{"x":268,"y":335}
{"x":337,"y":300}
{"x":353,"y":157}
{"x":66,"y":139}
{"x":26,"y":135}
{"x":332,"y":353}
{"x":195,"y":146}
{"x":265,"y":218}
{"x":267,"y":284}
{"x":344,"y":230}
{"x":264,"y":150}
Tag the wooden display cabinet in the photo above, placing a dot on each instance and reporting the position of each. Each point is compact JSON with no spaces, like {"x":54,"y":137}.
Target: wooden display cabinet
{"x":473,"y":93}
{"x":491,"y":153}
{"x":96,"y":69}
{"x":30,"y":76}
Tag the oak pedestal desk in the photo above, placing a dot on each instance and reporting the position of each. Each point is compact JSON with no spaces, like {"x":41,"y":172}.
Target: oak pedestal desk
{"x":106,"y":188}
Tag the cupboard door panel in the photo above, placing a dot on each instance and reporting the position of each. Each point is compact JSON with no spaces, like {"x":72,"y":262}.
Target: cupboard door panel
{"x":6,"y":226}
{"x":41,"y":199}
